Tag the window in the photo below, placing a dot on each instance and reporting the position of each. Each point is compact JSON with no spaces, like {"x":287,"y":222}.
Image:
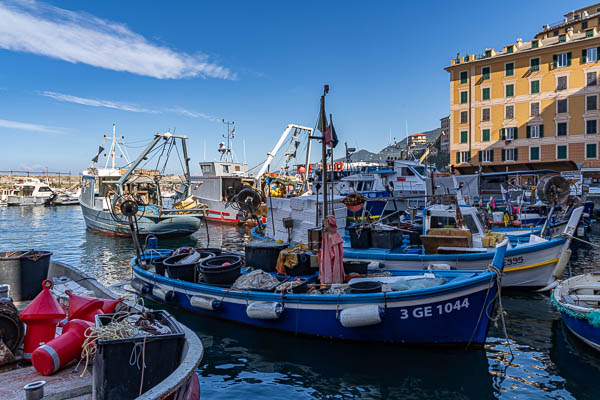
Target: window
{"x":485,"y":135}
{"x":509,"y":133}
{"x":535,"y":109}
{"x":509,"y":69}
{"x":589,"y":55}
{"x":591,"y":102}
{"x":535,"y":87}
{"x":534,"y":153}
{"x":485,"y":73}
{"x":561,"y":152}
{"x":589,"y":33}
{"x":584,"y":25}
{"x":463,"y":97}
{"x":463,"y":136}
{"x":463,"y":117}
{"x":509,"y":154}
{"x":509,"y":49}
{"x":561,"y":83}
{"x":488,"y":53}
{"x":562,"y":38}
{"x":535,"y":131}
{"x":486,"y":156}
{"x":535,"y":44}
{"x":534,"y":64}
{"x":510,"y":90}
{"x":591,"y":150}
{"x":561,"y":60}
{"x":465,"y":156}
{"x":592,"y":79}
{"x":510,"y":112}
{"x":485,"y":114}
{"x":561,"y":106}
{"x":591,"y":126}
{"x":485,"y":94}
{"x":464,"y":75}
{"x":561,"y":129}
{"x":555,"y":33}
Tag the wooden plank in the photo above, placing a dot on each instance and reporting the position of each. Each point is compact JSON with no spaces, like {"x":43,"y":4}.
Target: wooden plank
{"x":65,"y":384}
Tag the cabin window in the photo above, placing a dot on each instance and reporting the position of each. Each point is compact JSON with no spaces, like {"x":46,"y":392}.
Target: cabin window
{"x":28,"y":190}
{"x":442,"y":222}
{"x":44,"y":189}
{"x":471,"y":225}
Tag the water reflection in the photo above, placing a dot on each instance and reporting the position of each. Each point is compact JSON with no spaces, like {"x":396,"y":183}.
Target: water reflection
{"x":546,"y":361}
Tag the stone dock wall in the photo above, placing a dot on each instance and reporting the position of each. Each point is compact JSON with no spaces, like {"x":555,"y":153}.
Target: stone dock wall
{"x":59,"y":180}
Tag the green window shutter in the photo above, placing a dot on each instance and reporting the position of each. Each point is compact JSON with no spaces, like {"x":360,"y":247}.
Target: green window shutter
{"x":541,"y":131}
{"x":515,"y":136}
{"x":568,"y":59}
{"x":469,"y":156}
{"x":479,"y":156}
{"x":491,"y":155}
{"x":583,"y":56}
{"x":590,"y":151}
{"x":528,"y":131}
{"x":516,"y":153}
{"x":503,"y":134}
{"x":485,"y":135}
{"x":463,"y":77}
{"x":503,"y":155}
{"x":458,"y":157}
{"x":555,"y":61}
{"x":597,"y":52}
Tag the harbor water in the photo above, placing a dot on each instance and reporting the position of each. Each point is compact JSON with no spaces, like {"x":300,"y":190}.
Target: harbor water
{"x":541,"y":359}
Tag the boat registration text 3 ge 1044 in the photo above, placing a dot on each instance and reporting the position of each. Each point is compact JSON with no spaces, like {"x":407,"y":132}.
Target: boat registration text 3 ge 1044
{"x":439,"y":309}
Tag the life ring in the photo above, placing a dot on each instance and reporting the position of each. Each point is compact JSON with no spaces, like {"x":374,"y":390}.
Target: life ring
{"x":338,"y":166}
{"x":299,"y":177}
{"x":310,"y":168}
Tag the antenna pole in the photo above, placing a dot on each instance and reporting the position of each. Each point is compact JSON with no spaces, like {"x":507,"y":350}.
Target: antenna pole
{"x":228,"y":153}
{"x":114,"y":145}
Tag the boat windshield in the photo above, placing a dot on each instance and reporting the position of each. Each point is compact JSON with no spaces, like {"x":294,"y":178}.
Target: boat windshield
{"x":420,"y":170}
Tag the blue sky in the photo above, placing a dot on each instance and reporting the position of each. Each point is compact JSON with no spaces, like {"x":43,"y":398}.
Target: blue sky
{"x":70,"y":69}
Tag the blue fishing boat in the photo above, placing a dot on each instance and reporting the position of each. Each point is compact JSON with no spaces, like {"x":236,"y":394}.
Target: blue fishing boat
{"x":454,"y":308}
{"x":578,"y":301}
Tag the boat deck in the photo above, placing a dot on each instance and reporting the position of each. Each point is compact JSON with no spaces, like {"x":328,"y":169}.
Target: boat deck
{"x":64,"y":384}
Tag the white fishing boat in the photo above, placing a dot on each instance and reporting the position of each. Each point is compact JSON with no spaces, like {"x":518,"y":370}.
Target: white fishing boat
{"x":105,"y":189}
{"x":28,"y":192}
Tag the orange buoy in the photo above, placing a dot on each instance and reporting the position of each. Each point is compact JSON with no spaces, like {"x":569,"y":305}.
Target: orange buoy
{"x":52,"y":356}
{"x":41,"y":317}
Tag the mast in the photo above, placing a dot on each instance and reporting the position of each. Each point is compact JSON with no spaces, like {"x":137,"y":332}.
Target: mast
{"x":228,"y":153}
{"x":324,"y":153}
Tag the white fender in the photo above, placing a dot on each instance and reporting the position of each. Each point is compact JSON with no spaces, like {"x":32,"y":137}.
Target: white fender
{"x":264,"y":310}
{"x":159,"y":292}
{"x":562,"y":263}
{"x":361,"y":316}
{"x":204,"y":302}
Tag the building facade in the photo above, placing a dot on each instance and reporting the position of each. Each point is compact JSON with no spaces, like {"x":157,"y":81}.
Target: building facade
{"x":445,"y":135}
{"x":532,"y":105}
{"x":417,"y":141}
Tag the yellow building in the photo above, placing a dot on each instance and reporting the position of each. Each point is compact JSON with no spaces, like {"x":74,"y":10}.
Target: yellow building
{"x":532,"y":105}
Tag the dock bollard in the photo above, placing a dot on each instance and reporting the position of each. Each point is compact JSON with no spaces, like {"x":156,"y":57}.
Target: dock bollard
{"x":34,"y":390}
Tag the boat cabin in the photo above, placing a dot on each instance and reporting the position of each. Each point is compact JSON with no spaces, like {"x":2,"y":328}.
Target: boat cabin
{"x":444,"y":217}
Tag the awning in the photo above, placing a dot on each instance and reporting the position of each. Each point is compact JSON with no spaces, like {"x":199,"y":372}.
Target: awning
{"x":553,"y":165}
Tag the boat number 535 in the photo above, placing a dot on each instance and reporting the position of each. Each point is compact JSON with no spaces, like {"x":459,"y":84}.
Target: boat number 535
{"x":513,"y":261}
{"x":439,"y":309}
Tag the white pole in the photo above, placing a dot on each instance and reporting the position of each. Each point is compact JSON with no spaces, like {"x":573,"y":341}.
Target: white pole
{"x":114,"y":143}
{"x":244,"y":143}
{"x":205,"y":150}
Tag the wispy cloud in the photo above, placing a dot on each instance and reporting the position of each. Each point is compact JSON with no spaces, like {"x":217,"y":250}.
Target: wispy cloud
{"x":25,"y":126}
{"x":98,"y":103}
{"x":78,"y":37}
{"x":193,"y":114}
{"x":126,"y":106}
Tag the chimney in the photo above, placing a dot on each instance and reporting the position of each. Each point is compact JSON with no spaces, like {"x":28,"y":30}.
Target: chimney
{"x":569,"y":32}
{"x":519,"y":42}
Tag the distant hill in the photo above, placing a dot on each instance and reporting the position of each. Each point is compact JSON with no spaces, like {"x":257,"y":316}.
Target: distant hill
{"x":393,"y":150}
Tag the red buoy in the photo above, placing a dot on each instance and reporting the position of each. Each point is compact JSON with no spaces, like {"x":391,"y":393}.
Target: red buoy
{"x":86,"y":308}
{"x":52,"y":356}
{"x":41,"y":317}
{"x":83,"y":307}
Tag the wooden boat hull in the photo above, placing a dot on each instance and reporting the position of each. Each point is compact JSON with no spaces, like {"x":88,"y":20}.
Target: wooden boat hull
{"x":176,"y":225}
{"x":577,"y":299}
{"x":526,"y":265}
{"x":451,"y":314}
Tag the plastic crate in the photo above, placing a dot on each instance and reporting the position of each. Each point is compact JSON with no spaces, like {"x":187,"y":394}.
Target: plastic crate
{"x":116,"y":378}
